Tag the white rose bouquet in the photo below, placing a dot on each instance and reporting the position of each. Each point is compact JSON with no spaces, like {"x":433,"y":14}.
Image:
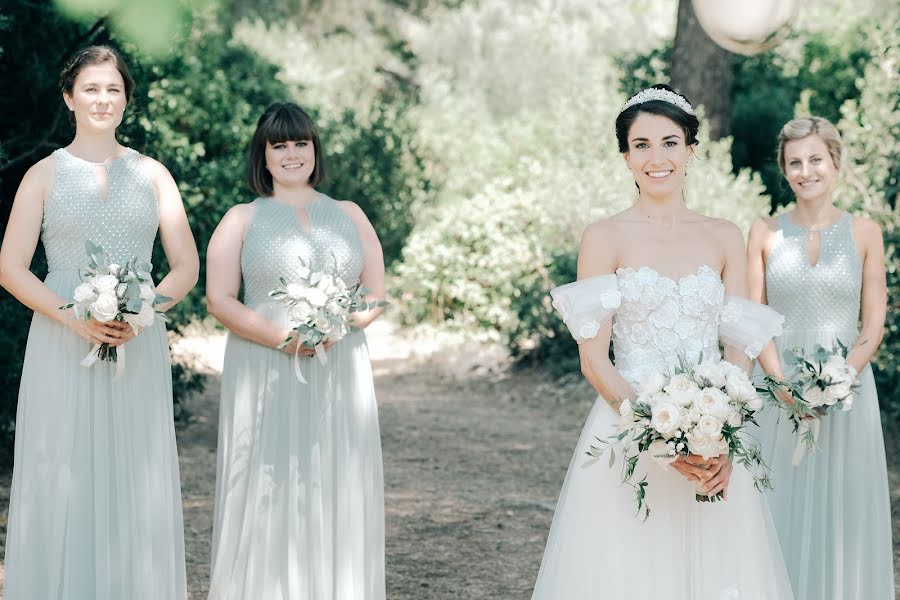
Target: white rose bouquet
{"x":319,"y":309}
{"x":699,"y":410}
{"x":817,"y":383}
{"x":112,"y":292}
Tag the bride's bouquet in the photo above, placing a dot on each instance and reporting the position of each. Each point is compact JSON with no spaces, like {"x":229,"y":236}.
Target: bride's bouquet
{"x":319,"y":309}
{"x":817,"y":383}
{"x":700,"y":410}
{"x":112,"y":292}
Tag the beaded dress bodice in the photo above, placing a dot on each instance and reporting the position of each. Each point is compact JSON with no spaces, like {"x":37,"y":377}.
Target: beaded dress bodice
{"x":124,"y":221}
{"x":821,"y":297}
{"x":661,"y":321}
{"x":276,"y":241}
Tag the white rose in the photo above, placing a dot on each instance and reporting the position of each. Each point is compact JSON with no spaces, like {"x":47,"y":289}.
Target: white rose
{"x":323,"y":323}
{"x":143,"y":319}
{"x":710,"y":373}
{"x":740,"y":389}
{"x":755,"y":403}
{"x":653,"y":382}
{"x":814,"y":396}
{"x":661,"y":452}
{"x":326,"y":284}
{"x":709,"y":426}
{"x":295,"y":291}
{"x":148,"y":294}
{"x":106,"y":283}
{"x":114,"y":269}
{"x":835,"y":370}
{"x":300,"y":312}
{"x":85,"y":293}
{"x":831,"y":395}
{"x":734,"y":419}
{"x":106,"y":307}
{"x":333,"y":308}
{"x":665,"y":418}
{"x":711,"y":401}
{"x":315,"y":297}
{"x":706,"y":446}
{"x":682,"y":389}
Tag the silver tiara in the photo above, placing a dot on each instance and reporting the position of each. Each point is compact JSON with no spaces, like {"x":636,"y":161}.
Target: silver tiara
{"x":659,"y":94}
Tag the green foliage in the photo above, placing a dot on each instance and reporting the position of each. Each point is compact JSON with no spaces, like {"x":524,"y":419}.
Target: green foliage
{"x":871,"y":130}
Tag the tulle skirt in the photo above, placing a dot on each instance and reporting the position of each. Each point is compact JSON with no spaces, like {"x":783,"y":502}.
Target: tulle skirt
{"x":95,"y":505}
{"x":299,"y":492}
{"x":598,"y":549}
{"x":832,"y":511}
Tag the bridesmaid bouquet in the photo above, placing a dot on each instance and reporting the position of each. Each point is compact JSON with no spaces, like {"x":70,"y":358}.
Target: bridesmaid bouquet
{"x":319,"y":309}
{"x":820,"y":382}
{"x":699,"y":410}
{"x":112,"y":292}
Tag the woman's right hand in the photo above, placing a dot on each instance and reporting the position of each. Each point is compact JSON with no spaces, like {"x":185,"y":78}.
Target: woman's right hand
{"x":114,"y":333}
{"x":306,"y":351}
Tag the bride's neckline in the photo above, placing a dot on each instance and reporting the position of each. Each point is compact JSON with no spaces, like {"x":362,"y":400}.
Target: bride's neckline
{"x":696,"y":273}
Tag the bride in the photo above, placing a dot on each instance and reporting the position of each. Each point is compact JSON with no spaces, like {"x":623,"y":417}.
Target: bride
{"x":654,"y":279}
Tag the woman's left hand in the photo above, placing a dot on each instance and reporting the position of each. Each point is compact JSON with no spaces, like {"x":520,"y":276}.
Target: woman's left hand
{"x":720,"y":468}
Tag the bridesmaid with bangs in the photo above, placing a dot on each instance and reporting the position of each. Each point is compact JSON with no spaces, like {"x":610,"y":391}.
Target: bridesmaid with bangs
{"x":299,"y":492}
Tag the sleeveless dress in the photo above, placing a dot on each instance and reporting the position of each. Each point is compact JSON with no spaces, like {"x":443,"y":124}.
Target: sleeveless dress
{"x":299,"y":493}
{"x":598,"y":548}
{"x":832,"y":511}
{"x":95,"y":505}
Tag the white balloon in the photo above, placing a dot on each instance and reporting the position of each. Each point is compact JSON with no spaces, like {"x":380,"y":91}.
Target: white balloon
{"x":746,"y":26}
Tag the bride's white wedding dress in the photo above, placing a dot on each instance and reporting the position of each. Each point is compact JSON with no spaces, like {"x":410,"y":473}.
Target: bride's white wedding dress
{"x":598,"y":548}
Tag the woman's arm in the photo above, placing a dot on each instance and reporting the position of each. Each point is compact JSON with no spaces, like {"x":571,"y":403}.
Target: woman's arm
{"x":177,"y":239}
{"x":23,"y":231}
{"x":223,"y":281}
{"x":757,"y":249}
{"x":734,"y":276}
{"x":372,"y":276}
{"x":873,"y":300}
{"x":597,"y":257}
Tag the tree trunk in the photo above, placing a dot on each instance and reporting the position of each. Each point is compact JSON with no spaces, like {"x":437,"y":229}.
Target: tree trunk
{"x":702,"y":70}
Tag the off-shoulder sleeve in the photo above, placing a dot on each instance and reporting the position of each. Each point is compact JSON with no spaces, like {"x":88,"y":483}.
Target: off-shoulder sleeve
{"x":748,"y":325}
{"x":587,"y":305}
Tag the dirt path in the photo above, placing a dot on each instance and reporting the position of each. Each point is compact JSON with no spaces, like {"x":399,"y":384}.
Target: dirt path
{"x":473,"y":464}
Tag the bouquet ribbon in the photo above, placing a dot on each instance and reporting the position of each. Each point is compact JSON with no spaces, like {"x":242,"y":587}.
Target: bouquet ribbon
{"x":812,"y":426}
{"x":94,"y":355}
{"x":320,"y":353}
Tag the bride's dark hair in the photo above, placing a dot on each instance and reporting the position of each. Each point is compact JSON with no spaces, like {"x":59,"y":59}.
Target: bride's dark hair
{"x":688,"y":122}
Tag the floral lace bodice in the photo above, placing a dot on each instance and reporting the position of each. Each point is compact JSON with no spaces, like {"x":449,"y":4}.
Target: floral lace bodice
{"x":660,"y":321}
{"x":657,"y":321}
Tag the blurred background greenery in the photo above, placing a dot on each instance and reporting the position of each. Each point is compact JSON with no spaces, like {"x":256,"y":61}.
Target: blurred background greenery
{"x":476,"y":134}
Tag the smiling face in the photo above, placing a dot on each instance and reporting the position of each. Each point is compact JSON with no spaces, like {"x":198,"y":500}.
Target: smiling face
{"x":809,"y":168}
{"x":657,"y":154}
{"x":98,"y":97}
{"x":291,"y":163}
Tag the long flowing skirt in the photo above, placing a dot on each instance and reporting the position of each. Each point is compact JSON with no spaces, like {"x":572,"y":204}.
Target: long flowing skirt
{"x":832,"y":511}
{"x":299,"y":493}
{"x":95,"y":506}
{"x":598,"y":549}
